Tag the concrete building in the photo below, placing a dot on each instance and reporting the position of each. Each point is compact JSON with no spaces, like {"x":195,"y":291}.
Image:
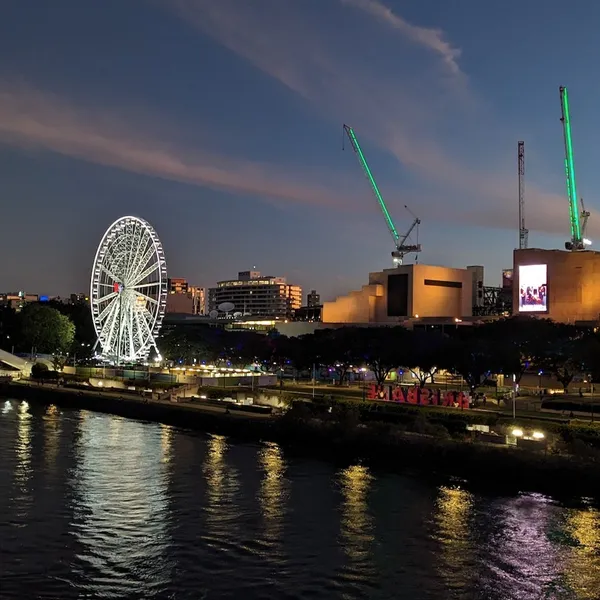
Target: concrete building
{"x":477,"y":271}
{"x":177,"y":285}
{"x":313,"y":299}
{"x":185,"y":299}
{"x":257,"y":295}
{"x":17,"y":300}
{"x":408,"y":291}
{"x":557,"y":284}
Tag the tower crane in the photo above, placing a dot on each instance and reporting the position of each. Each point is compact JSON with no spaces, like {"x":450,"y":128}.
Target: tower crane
{"x":401,"y":243}
{"x":523,"y":232}
{"x":578,"y":219}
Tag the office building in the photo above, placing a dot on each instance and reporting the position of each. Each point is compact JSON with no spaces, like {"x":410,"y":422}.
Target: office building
{"x":313,"y":299}
{"x":253,"y":294}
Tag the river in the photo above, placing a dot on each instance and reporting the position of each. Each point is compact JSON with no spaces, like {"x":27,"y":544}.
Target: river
{"x":96,"y":506}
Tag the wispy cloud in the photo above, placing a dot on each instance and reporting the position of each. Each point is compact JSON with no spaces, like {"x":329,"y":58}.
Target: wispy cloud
{"x":44,"y":121}
{"x":432,"y":39}
{"x":401,"y":107}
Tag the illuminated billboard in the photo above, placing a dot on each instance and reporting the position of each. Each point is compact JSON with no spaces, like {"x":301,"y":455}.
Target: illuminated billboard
{"x":533,"y":288}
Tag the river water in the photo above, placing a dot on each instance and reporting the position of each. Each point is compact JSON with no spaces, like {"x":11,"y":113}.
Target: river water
{"x":96,"y":506}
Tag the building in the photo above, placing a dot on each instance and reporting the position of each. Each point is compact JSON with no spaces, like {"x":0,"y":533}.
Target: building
{"x":408,"y":291}
{"x":78,"y":298}
{"x":557,"y":284}
{"x":313,"y":300}
{"x":17,"y":300}
{"x":477,"y":272}
{"x":253,"y":294}
{"x":185,"y":299}
{"x":177,"y":285}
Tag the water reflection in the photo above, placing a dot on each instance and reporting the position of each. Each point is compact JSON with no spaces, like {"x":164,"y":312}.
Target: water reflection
{"x":356,"y":524}
{"x":273,"y":496}
{"x":221,"y":486}
{"x":121,"y":485}
{"x":23,"y":469}
{"x":452,"y":515}
{"x":523,"y":560}
{"x":51,"y":435}
{"x":582,"y":560}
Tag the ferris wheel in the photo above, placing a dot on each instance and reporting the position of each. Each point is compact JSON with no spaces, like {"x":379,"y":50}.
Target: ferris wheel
{"x":128,"y":292}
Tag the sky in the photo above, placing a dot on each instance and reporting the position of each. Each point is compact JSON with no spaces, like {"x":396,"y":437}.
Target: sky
{"x":220,"y":123}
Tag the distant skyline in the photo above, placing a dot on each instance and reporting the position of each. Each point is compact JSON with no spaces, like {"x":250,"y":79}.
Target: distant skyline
{"x":221,"y":124}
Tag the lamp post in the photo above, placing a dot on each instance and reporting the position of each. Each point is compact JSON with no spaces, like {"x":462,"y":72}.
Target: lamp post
{"x":314,"y":379}
{"x":514,"y":395}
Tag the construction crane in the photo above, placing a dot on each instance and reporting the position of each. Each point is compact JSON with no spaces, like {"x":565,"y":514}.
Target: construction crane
{"x":401,"y":243}
{"x":578,"y":219}
{"x":523,"y":232}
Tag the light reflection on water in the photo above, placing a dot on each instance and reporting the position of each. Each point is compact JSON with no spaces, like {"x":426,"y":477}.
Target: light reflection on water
{"x":273,"y":494}
{"x":120,"y":516}
{"x":453,"y":510}
{"x":582,"y":562}
{"x":97,"y":506}
{"x":23,"y":471}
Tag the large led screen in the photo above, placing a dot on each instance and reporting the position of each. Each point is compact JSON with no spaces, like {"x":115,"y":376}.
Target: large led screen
{"x":533,"y":288}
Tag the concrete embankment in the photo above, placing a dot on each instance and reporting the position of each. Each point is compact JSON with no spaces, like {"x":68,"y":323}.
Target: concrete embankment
{"x":379,"y":445}
{"x":212,"y":419}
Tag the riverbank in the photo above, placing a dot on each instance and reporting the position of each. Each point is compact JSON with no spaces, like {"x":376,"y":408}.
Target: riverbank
{"x":342,"y":439}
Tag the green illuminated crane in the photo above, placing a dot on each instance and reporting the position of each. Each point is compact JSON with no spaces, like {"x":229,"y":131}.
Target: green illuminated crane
{"x":578,"y":220}
{"x":402,"y":247}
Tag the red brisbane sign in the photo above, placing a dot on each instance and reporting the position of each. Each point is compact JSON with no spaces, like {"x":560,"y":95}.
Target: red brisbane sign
{"x":415,"y":395}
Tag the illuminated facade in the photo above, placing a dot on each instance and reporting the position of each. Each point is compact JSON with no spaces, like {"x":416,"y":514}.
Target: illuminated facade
{"x":255,"y":295}
{"x":177,"y":285}
{"x":557,"y":284}
{"x":405,"y":292}
{"x":18,"y":300}
{"x":185,"y":299}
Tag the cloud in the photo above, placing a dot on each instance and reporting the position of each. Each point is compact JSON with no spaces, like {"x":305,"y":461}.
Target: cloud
{"x":44,"y":121}
{"x":393,"y":101}
{"x":432,"y":39}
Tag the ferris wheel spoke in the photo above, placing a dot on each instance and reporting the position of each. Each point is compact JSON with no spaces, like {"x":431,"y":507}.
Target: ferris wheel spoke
{"x":140,"y":243}
{"x":111,"y":274}
{"x":146,"y":273}
{"x":108,"y":308}
{"x":145,"y":297}
{"x":133,"y":276}
{"x":108,"y":329}
{"x":145,"y":285}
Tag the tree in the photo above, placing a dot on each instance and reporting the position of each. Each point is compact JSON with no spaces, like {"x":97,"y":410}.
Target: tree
{"x":472,"y":357}
{"x":429,"y":353}
{"x":46,"y":330}
{"x":338,"y":348}
{"x":566,"y":354}
{"x":519,"y":342}
{"x":383,"y":349}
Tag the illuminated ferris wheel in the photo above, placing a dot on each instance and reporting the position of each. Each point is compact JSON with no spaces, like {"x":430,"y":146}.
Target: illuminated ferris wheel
{"x":128,"y":291}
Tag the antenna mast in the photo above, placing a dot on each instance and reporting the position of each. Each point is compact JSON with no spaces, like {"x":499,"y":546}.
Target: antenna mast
{"x":523,"y":232}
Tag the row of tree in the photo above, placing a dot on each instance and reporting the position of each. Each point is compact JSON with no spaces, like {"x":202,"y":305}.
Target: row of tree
{"x":48,"y":328}
{"x":511,"y":346}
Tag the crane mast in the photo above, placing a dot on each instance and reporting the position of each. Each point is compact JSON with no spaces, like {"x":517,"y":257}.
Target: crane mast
{"x":577,"y":240}
{"x":523,"y":231}
{"x":400,"y":243}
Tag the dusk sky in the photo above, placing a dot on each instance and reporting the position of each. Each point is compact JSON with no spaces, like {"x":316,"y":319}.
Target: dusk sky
{"x":220,"y":122}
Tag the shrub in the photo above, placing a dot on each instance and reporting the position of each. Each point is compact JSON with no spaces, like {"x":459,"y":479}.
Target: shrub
{"x":39,"y":371}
